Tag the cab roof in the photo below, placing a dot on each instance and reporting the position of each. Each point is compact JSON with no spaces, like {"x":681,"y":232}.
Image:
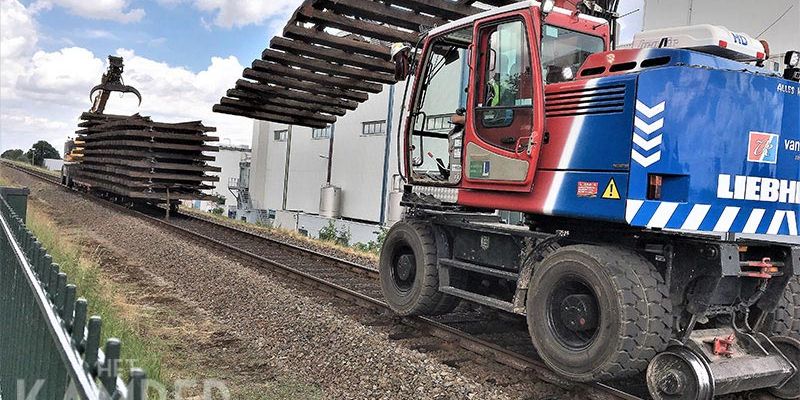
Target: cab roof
{"x":626,"y":61}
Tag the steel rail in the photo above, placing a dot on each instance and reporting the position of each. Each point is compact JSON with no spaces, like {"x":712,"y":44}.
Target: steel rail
{"x":353,"y":266}
{"x":596,"y":390}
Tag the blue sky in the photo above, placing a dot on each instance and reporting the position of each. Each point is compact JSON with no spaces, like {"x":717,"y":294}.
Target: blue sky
{"x":181,"y":54}
{"x":175,"y":34}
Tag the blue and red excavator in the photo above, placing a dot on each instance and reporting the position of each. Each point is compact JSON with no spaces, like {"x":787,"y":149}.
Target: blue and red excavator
{"x":660,"y":186}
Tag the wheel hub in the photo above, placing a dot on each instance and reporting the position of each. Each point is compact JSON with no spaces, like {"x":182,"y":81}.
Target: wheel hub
{"x":405,"y":264}
{"x":679,"y":373}
{"x":579,"y":312}
{"x":672,"y":383}
{"x":574,"y":314}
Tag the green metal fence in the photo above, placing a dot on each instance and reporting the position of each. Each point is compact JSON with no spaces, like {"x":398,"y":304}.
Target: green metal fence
{"x":49,"y":349}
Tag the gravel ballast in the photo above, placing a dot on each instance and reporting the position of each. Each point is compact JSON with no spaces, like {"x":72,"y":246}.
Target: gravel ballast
{"x":276,"y":328}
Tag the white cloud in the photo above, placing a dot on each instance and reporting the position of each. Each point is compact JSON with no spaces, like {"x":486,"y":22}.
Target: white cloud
{"x":18,"y":39}
{"x":45,"y":92}
{"x":114,"y":10}
{"x":99,"y":34}
{"x":238,"y":13}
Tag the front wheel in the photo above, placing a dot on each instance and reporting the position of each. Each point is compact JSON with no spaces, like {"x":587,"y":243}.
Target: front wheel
{"x":598,"y":313}
{"x":409,"y":276}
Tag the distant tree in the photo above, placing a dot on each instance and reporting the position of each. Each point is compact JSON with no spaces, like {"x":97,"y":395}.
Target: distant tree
{"x":41,"y":150}
{"x":13,"y":154}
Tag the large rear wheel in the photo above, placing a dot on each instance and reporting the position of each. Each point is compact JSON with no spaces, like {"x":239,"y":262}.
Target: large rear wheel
{"x":409,"y":276}
{"x":786,"y":319}
{"x":598,"y":313}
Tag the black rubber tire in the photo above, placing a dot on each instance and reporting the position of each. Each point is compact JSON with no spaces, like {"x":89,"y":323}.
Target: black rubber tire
{"x":786,"y":319}
{"x":634,"y":323}
{"x":423,"y":298}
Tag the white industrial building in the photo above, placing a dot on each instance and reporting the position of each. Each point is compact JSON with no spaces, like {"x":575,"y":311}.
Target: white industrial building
{"x":290,"y":164}
{"x":363,"y":165}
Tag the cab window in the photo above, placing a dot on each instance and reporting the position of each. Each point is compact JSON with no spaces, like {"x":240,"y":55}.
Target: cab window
{"x":563,"y":52}
{"x":442,"y":91}
{"x":504,"y":109}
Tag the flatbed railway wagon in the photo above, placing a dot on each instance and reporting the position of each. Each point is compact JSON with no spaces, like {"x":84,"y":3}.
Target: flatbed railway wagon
{"x":645,"y":175}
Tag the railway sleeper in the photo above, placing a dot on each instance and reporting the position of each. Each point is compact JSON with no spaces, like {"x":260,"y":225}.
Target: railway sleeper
{"x":694,"y":315}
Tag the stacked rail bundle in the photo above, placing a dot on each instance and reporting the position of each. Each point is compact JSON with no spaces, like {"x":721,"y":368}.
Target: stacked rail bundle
{"x":332,"y":55}
{"x":140,"y":159}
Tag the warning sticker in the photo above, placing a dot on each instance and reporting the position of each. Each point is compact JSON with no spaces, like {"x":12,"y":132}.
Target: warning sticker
{"x":587,"y":189}
{"x":611,"y":191}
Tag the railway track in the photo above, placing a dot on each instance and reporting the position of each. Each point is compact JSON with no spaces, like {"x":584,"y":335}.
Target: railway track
{"x":504,"y":341}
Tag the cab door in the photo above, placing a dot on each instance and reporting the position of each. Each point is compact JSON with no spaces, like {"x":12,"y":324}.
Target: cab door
{"x":505,"y":116}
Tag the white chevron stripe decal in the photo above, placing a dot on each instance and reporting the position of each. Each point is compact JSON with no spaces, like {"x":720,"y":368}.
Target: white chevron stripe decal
{"x":662,"y":215}
{"x":648,"y":128}
{"x":650,"y":112}
{"x":643,"y":132}
{"x":754,"y":220}
{"x":632,"y":208}
{"x":645,"y":161}
{"x":726,"y":219}
{"x":647,"y":145}
{"x":777,"y":221}
{"x":792,"y":218}
{"x":696,"y":217}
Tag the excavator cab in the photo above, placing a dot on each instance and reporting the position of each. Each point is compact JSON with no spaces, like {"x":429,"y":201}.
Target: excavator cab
{"x":494,"y":68}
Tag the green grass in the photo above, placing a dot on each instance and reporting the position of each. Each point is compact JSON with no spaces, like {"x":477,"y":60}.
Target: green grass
{"x":34,"y":167}
{"x":85,"y":273}
{"x":354,"y":249}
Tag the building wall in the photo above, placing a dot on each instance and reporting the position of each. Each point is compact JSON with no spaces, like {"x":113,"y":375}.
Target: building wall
{"x":258,"y":164}
{"x":737,"y":15}
{"x":307,"y":172}
{"x":358,"y":161}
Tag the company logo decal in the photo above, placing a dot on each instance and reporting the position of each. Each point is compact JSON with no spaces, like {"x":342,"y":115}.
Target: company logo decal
{"x":756,"y":188}
{"x":648,"y":135}
{"x":763,"y":148}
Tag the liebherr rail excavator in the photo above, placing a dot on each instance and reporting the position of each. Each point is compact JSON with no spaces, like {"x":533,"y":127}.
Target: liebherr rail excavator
{"x":643,"y":173}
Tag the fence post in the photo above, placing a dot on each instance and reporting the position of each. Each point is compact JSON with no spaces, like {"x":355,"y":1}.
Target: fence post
{"x":110,"y":369}
{"x":92,"y":345}
{"x":79,"y":323}
{"x":138,"y":388}
{"x":68,"y":306}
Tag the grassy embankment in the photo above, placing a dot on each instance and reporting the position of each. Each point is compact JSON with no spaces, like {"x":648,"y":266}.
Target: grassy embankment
{"x":372,"y":254}
{"x":126,"y":322}
{"x":104,"y":300}
{"x":103,"y":296}
{"x":35,"y":167}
